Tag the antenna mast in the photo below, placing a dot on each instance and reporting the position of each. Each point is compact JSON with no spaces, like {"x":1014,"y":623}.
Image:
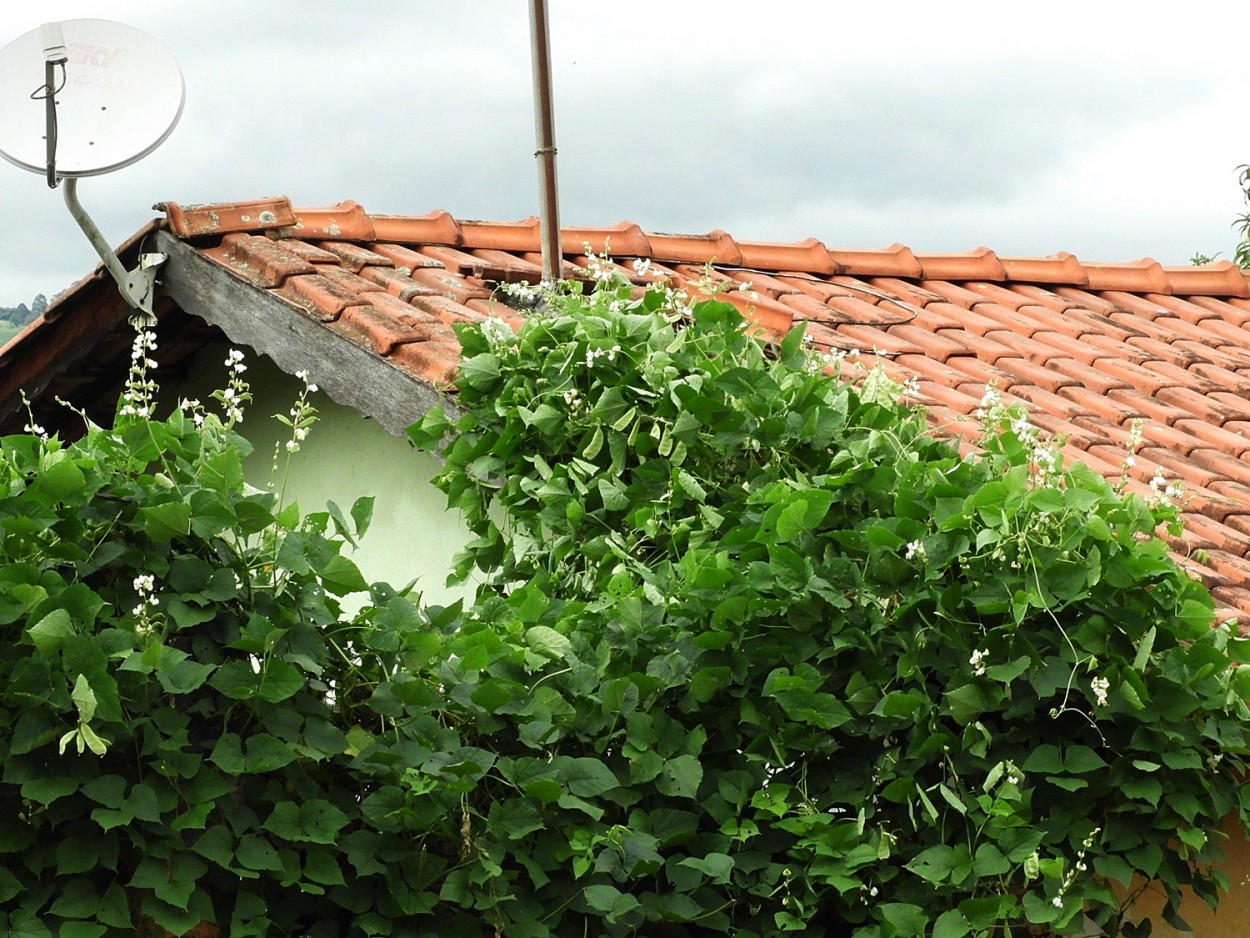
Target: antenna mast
{"x":545,"y":131}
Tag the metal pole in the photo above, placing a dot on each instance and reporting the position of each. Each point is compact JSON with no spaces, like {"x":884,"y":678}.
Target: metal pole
{"x":544,"y":127}
{"x":137,"y":287}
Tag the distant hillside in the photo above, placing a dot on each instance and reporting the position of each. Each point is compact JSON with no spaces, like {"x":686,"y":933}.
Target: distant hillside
{"x":14,"y":319}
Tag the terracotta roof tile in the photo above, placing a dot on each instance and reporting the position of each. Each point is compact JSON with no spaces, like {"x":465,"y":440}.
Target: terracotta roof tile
{"x":981,"y":264}
{"x":264,"y":262}
{"x":1141,"y":377}
{"x":191,"y":221}
{"x":1095,"y":379}
{"x":894,"y":261}
{"x":1062,"y":268}
{"x":1236,"y":311}
{"x":1067,"y":347}
{"x":1045,"y":297}
{"x":1044,"y":376}
{"x":1149,"y":406}
{"x":435,"y":228}
{"x":320,"y":296}
{"x":1087,"y":347}
{"x":346,"y":221}
{"x":1108,"y":406}
{"x":405,"y":258}
{"x":1141,"y":276}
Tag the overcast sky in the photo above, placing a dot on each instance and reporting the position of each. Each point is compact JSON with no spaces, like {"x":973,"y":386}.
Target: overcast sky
{"x":1111,"y":130}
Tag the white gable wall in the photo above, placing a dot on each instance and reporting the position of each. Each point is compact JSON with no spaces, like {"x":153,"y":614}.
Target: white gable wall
{"x":346,"y":456}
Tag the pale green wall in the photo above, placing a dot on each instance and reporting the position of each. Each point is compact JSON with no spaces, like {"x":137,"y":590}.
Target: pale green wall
{"x":346,"y":456}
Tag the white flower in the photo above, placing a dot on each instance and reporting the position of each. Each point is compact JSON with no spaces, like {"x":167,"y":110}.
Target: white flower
{"x":914,"y":549}
{"x":1057,"y":902}
{"x":978,"y":659}
{"x":642,"y":266}
{"x":1100,"y":686}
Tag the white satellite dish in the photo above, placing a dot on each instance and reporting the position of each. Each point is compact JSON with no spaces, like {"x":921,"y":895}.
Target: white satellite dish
{"x":83,"y":98}
{"x":119,"y":94}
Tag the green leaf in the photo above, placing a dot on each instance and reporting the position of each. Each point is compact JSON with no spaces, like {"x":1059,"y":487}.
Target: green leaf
{"x":84,"y":698}
{"x":52,"y":631}
{"x":1045,"y":758}
{"x":279,"y":681}
{"x":548,"y":642}
{"x":342,"y":577}
{"x":715,"y":866}
{"x":44,"y":791}
{"x":315,"y":821}
{"x":907,"y":920}
{"x":585,"y":777}
{"x":610,"y":901}
{"x":167,"y":521}
{"x":680,"y":777}
{"x":257,"y":853}
{"x":1144,"y":648}
{"x":1081,"y":759}
{"x":951,"y":924}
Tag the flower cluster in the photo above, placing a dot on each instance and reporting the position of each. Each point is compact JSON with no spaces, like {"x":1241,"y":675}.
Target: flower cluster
{"x":524,"y":295}
{"x":191,"y":407}
{"x":595,"y":353}
{"x":1045,"y":464}
{"x":236,"y":393}
{"x":978,"y":659}
{"x":1163,"y":491}
{"x":601,"y":268}
{"x":1079,"y":866}
{"x":915,"y":550}
{"x":138,"y":398}
{"x":145,"y":609}
{"x":497,"y":333}
{"x":303,"y":414}
{"x":31,"y":426}
{"x":1100,"y":686}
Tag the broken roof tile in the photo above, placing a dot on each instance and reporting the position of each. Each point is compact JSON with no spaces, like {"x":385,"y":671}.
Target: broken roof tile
{"x":193,"y":221}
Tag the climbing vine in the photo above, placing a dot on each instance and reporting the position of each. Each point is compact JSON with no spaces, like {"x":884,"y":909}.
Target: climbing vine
{"x":752,"y":652}
{"x":830,"y":676}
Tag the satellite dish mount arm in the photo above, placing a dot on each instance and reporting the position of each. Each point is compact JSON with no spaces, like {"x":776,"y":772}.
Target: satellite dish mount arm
{"x":137,"y":286}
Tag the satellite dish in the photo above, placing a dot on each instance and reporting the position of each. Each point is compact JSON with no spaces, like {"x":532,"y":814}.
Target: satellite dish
{"x":118,"y":95}
{"x":84,"y":98}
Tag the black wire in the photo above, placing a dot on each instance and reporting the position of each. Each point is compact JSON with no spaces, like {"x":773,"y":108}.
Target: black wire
{"x":46,"y":92}
{"x":43,"y":91}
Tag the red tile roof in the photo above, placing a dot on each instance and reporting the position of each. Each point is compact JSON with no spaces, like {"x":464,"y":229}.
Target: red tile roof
{"x":1087,"y":347}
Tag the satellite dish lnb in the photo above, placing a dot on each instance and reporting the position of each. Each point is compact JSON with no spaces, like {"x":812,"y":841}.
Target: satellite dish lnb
{"x":83,"y":98}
